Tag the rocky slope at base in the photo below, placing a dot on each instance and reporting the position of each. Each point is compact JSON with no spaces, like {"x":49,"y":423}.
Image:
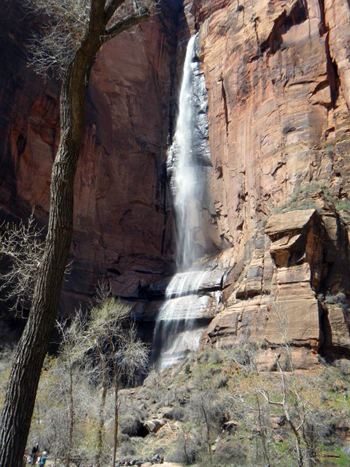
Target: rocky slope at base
{"x":212,"y":410}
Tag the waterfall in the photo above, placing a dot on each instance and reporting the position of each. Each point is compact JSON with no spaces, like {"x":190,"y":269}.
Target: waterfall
{"x":187,"y":185}
{"x":179,"y":324}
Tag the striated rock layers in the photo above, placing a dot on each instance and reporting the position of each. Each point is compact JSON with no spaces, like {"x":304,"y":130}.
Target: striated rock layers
{"x":277,"y":74}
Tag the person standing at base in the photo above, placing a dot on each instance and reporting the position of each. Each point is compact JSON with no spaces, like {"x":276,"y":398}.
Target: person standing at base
{"x":35,"y":451}
{"x":42,"y":459}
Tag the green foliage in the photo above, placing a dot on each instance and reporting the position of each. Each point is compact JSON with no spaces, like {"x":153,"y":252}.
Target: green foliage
{"x":301,"y":197}
{"x":305,"y":198}
{"x":338,"y":299}
{"x":264,"y":221}
{"x":342,"y":205}
{"x":334,"y":299}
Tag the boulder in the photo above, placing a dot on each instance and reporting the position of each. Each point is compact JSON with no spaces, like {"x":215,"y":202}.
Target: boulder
{"x":154,"y":425}
{"x":230,"y":426}
{"x":337,"y":325}
{"x":291,"y":221}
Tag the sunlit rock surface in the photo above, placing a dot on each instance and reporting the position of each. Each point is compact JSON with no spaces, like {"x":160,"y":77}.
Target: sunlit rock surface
{"x":277,"y":81}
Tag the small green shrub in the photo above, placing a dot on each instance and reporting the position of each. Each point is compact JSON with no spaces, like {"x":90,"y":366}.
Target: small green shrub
{"x":335,"y":299}
{"x":215,"y":357}
{"x":300,"y":198}
{"x":220,"y":381}
{"x":342,"y":205}
{"x":123,"y":438}
{"x":126,"y":449}
{"x":187,"y":448}
{"x":177,"y":413}
{"x":226,"y":453}
{"x":264,"y":221}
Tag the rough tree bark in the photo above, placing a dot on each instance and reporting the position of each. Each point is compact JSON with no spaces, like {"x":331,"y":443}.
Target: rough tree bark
{"x":71,"y":422}
{"x":19,"y":403}
{"x":101,"y":423}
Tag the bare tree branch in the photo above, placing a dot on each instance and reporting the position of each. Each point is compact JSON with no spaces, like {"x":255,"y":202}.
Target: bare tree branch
{"x":55,"y":46}
{"x":67,"y":24}
{"x":111,"y":8}
{"x":126,"y":23}
{"x":24,"y":247}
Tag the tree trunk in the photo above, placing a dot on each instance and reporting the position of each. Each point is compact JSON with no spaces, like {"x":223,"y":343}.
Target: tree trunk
{"x":263,"y":434}
{"x":116,"y":414}
{"x":101,"y":423}
{"x":297,"y":439}
{"x":208,"y":430}
{"x":19,"y":403}
{"x":71,"y":415}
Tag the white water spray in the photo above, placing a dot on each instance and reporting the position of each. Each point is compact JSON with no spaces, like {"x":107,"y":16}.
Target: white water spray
{"x":186,"y":179}
{"x":177,"y":329}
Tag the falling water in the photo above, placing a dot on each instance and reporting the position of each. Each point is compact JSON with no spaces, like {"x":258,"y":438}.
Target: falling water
{"x":178,"y":327}
{"x":186,"y":182}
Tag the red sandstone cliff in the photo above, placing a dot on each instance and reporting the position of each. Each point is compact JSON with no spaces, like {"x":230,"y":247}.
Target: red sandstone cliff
{"x":277,"y":74}
{"x":122,"y":226}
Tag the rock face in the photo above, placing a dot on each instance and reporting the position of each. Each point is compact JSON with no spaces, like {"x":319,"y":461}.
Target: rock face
{"x":277,"y":75}
{"x":122,"y":219}
{"x":275,"y":303}
{"x":278,"y":110}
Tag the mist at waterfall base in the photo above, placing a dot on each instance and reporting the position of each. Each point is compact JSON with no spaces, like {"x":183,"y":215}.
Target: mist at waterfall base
{"x":180,"y":325}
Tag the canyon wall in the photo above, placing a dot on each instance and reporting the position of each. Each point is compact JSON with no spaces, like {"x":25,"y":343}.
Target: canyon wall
{"x":122,"y":218}
{"x":277,"y":74}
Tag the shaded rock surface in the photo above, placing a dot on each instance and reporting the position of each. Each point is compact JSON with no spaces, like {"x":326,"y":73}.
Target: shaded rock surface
{"x":122,"y":218}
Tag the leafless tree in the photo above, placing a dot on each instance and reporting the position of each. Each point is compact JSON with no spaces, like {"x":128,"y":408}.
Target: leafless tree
{"x":23,"y":245}
{"x":65,"y":401}
{"x":96,"y":22}
{"x":111,"y":342}
{"x":295,"y":409}
{"x":205,"y":408}
{"x":70,"y":359}
{"x":295,"y":424}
